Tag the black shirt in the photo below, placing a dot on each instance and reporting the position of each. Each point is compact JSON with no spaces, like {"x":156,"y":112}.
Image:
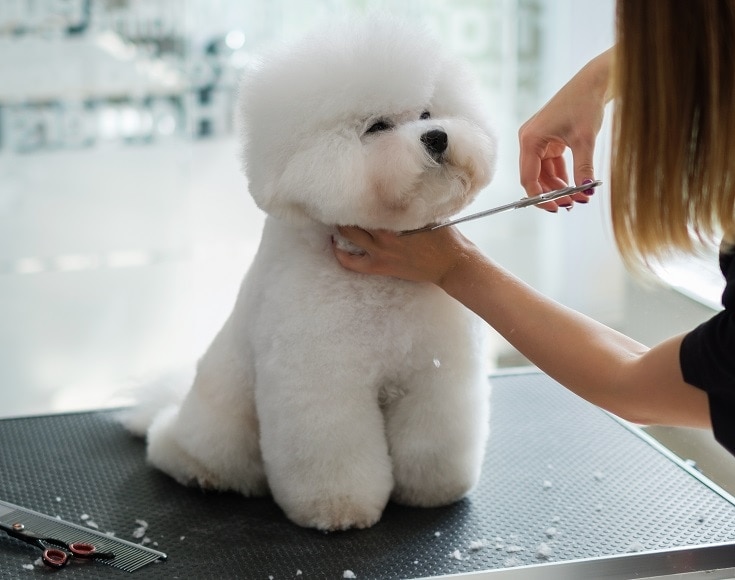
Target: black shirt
{"x":707,"y":357}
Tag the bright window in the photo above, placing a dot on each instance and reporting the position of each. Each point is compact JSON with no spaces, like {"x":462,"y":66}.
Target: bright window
{"x":125,"y":223}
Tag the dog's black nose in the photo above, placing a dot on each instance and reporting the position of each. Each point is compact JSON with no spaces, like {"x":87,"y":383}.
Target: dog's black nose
{"x":435,"y":141}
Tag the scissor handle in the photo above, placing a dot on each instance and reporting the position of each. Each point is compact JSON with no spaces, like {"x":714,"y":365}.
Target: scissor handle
{"x":55,"y":558}
{"x":86,"y":550}
{"x":82,"y":549}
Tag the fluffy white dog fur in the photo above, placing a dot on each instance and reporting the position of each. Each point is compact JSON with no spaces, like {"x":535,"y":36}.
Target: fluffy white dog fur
{"x":336,"y":391}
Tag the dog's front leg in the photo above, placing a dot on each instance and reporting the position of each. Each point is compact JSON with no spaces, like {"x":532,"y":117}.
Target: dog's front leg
{"x":437,"y":434}
{"x":324,"y":448}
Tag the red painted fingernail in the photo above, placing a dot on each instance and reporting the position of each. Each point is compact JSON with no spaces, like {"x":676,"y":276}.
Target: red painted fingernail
{"x":589,"y":191}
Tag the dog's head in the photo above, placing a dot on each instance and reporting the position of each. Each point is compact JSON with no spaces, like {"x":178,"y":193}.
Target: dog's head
{"x":364,"y":123}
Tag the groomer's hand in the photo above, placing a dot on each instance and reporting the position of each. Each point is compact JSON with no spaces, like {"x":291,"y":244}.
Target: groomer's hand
{"x":571,"y":119}
{"x":423,"y":257}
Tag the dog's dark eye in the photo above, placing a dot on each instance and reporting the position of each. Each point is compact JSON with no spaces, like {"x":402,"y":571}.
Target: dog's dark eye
{"x":425,"y":115}
{"x":379,"y":126}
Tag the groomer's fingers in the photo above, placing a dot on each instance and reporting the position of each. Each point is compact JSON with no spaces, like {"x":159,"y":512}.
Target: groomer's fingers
{"x":553,"y":173}
{"x":363,"y":262}
{"x":583,"y":158}
{"x":347,"y":260}
{"x":542,"y":165}
{"x":583,"y":153}
{"x":355,"y":234}
{"x":530,"y":166}
{"x":553,"y":177}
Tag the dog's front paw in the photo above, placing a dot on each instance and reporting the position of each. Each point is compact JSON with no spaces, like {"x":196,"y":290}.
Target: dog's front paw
{"x":335,"y":503}
{"x":336,"y":513}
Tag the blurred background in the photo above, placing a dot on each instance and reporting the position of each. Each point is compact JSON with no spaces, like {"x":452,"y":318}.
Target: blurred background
{"x":126,"y":224}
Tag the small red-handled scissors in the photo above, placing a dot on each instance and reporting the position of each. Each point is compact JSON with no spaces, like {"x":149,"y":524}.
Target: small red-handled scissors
{"x":56,"y":553}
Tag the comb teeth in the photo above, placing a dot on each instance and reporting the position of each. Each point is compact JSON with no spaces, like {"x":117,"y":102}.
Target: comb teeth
{"x":128,"y":556}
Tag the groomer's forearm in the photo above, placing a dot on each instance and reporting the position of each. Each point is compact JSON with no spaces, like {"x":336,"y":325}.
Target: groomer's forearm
{"x":598,"y":74}
{"x":582,"y":354}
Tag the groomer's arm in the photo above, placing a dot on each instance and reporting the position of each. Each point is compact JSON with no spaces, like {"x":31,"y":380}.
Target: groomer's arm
{"x":594,"y":361}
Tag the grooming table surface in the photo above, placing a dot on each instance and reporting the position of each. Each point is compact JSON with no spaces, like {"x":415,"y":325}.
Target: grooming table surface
{"x":560,"y":476}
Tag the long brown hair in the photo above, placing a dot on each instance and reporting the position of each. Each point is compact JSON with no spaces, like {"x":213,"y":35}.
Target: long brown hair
{"x":673,"y":154}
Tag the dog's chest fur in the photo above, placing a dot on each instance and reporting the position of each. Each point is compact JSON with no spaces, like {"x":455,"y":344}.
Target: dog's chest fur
{"x":297,"y":297}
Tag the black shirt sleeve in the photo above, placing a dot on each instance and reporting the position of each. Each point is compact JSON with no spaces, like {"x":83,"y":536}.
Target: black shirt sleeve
{"x":707,"y":358}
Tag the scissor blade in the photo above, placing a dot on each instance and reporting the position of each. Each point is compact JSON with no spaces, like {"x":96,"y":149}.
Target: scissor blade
{"x":525,"y":202}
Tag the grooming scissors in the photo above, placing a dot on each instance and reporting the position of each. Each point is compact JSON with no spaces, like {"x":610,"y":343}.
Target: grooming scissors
{"x":525,"y":202}
{"x":56,"y":553}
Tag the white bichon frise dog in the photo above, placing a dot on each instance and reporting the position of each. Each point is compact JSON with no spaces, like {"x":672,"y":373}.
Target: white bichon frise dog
{"x":332,"y":390}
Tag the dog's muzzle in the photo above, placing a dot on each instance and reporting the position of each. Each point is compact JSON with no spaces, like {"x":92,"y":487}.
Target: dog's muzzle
{"x":435,"y":142}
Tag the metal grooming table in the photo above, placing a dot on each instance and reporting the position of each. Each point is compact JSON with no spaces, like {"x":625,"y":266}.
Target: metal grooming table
{"x":567,"y":492}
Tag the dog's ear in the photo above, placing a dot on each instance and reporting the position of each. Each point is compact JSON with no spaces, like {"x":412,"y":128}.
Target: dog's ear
{"x":316,"y":178}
